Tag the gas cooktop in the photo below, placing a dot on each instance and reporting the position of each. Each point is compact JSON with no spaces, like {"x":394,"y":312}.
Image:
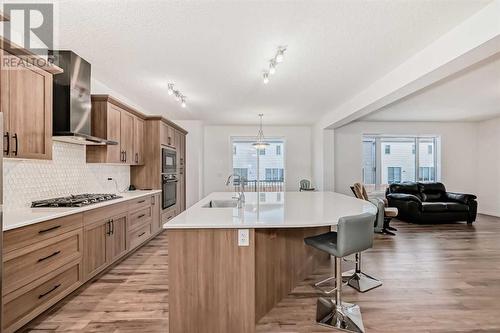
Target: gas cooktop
{"x":77,"y":200}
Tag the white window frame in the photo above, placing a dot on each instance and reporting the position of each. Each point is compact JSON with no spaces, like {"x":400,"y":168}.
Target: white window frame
{"x":380,"y":150}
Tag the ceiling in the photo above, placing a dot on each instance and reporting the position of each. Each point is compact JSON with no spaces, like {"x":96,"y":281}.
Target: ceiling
{"x":470,"y":95}
{"x":215,"y":51}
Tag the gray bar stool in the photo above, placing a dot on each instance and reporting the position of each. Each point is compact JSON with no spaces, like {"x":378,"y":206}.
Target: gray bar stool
{"x":354,"y":234}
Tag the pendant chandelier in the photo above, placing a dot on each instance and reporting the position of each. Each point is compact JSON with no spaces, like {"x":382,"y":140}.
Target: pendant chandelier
{"x":260,"y":143}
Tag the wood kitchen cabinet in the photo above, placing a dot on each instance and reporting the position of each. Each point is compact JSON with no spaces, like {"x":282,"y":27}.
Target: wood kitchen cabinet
{"x":26,"y":103}
{"x":138,"y":141}
{"x":156,"y":224}
{"x":127,"y":137}
{"x":104,"y":242}
{"x":113,"y":120}
{"x":167,"y":135}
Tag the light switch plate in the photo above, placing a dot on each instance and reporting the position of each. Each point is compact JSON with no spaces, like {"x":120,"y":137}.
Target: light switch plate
{"x":243,"y":237}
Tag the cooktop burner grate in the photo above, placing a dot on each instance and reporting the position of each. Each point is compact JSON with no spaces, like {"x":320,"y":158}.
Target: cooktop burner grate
{"x":77,"y":200}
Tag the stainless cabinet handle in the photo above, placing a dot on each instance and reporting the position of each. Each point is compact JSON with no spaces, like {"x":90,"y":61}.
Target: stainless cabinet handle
{"x":141,"y":216}
{"x":16,"y":145}
{"x":108,"y":228}
{"x":48,"y":292}
{"x":49,"y":256}
{"x":141,"y":234}
{"x":141,"y":201}
{"x":153,"y":201}
{"x":112,"y":227}
{"x":7,"y":136}
{"x":136,"y":157}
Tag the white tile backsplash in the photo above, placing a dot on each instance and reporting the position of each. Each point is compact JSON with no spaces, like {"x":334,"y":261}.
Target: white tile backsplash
{"x":67,"y":173}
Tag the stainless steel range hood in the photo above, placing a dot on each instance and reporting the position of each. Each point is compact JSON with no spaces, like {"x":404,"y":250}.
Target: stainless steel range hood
{"x":71,"y":101}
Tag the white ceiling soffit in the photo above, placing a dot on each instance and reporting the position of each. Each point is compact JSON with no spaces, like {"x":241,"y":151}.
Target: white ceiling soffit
{"x":215,"y":51}
{"x":470,"y":95}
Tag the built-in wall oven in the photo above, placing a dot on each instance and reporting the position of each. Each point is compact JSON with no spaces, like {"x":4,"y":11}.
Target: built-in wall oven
{"x":169,"y":190}
{"x":168,"y":160}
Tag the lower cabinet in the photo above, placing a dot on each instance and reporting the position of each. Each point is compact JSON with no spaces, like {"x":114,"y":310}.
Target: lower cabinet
{"x":103,"y":242}
{"x":44,"y":262}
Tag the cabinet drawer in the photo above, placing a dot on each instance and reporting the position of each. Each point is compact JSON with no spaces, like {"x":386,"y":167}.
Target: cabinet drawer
{"x":35,"y":233}
{"x":139,"y":218}
{"x":98,"y":214}
{"x":26,"y":303}
{"x":28,"y":264}
{"x":168,"y":215}
{"x":139,"y":203}
{"x":140,"y":235}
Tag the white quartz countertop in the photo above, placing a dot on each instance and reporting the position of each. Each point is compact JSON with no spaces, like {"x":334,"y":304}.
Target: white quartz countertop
{"x":22,"y":217}
{"x":272,"y":210}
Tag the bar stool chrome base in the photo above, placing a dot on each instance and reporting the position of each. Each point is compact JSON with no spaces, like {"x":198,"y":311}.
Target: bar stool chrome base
{"x":346,"y":317}
{"x":360,"y":281}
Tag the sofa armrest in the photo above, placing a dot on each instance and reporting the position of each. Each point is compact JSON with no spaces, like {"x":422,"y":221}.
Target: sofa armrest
{"x":403,"y":197}
{"x":460,"y":197}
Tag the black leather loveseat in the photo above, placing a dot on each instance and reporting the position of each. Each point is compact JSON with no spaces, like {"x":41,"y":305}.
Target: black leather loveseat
{"x":430,"y":203}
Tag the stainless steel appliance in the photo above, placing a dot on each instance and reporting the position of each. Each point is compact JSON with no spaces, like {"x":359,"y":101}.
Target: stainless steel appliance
{"x":77,"y":200}
{"x":71,"y":101}
{"x":168,"y":160}
{"x":168,"y":190}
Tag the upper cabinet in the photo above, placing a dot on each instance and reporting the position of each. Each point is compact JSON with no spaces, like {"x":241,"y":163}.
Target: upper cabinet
{"x":138,"y":141}
{"x":167,"y":135}
{"x":26,"y":104}
{"x":115,"y":121}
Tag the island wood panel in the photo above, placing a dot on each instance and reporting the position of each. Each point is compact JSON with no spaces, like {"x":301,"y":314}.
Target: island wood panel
{"x":282,"y":260}
{"x":212,"y":282}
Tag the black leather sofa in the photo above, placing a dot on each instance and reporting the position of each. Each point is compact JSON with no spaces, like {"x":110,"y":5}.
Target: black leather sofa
{"x":430,"y":203}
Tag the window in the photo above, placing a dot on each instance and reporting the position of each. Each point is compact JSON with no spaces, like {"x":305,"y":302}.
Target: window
{"x":426,"y":174}
{"x":254,"y":164}
{"x":274,"y":174}
{"x":390,"y":159}
{"x":394,"y":175}
{"x":243,"y":172}
{"x":262,"y":151}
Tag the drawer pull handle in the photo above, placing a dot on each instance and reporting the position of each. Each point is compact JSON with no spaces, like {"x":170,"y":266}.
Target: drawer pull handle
{"x":141,"y":234}
{"x":49,"y":256}
{"x":141,"y":201}
{"x":49,"y":229}
{"x":170,"y":217}
{"x":141,"y":216}
{"x":48,"y":292}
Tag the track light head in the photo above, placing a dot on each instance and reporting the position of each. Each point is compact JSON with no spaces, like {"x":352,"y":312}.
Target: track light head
{"x":280,"y":54}
{"x":265,"y":77}
{"x":170,"y":90}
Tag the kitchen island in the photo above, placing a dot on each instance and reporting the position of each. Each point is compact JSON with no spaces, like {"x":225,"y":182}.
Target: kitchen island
{"x":229,"y":266}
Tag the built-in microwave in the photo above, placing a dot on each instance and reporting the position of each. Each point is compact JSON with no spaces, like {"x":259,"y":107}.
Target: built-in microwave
{"x":168,"y":160}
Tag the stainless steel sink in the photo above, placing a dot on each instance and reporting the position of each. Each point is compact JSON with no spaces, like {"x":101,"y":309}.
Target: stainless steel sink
{"x":221,"y":204}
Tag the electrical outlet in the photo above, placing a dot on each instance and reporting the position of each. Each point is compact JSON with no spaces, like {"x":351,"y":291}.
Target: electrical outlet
{"x":243,"y":237}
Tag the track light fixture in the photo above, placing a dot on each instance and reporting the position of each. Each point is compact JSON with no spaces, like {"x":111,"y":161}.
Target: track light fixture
{"x":273,"y":63}
{"x":179,"y":97}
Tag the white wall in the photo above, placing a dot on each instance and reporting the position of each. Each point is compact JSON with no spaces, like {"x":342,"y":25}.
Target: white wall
{"x":194,"y":160}
{"x":458,"y":151}
{"x":489,"y":166}
{"x":218,"y":153}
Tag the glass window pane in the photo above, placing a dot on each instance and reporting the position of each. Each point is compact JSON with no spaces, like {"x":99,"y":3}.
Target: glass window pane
{"x":426,"y":159}
{"x":399,"y":165}
{"x":369,"y":161}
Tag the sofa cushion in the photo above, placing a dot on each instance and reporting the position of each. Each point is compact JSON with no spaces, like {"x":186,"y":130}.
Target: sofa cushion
{"x":434,"y":207}
{"x":406,"y":187}
{"x":432,"y":192}
{"x":457,"y":207}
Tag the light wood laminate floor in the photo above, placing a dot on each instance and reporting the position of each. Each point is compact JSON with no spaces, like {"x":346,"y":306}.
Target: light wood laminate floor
{"x":437,"y":279}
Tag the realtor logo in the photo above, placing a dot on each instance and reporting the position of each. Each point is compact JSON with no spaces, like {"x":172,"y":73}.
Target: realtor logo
{"x":30,"y":26}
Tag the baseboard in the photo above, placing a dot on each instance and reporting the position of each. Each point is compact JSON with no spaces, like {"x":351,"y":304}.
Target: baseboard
{"x":494,"y":214}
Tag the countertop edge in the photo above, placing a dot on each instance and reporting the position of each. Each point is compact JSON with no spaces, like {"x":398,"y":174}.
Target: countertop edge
{"x":55,"y":214}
